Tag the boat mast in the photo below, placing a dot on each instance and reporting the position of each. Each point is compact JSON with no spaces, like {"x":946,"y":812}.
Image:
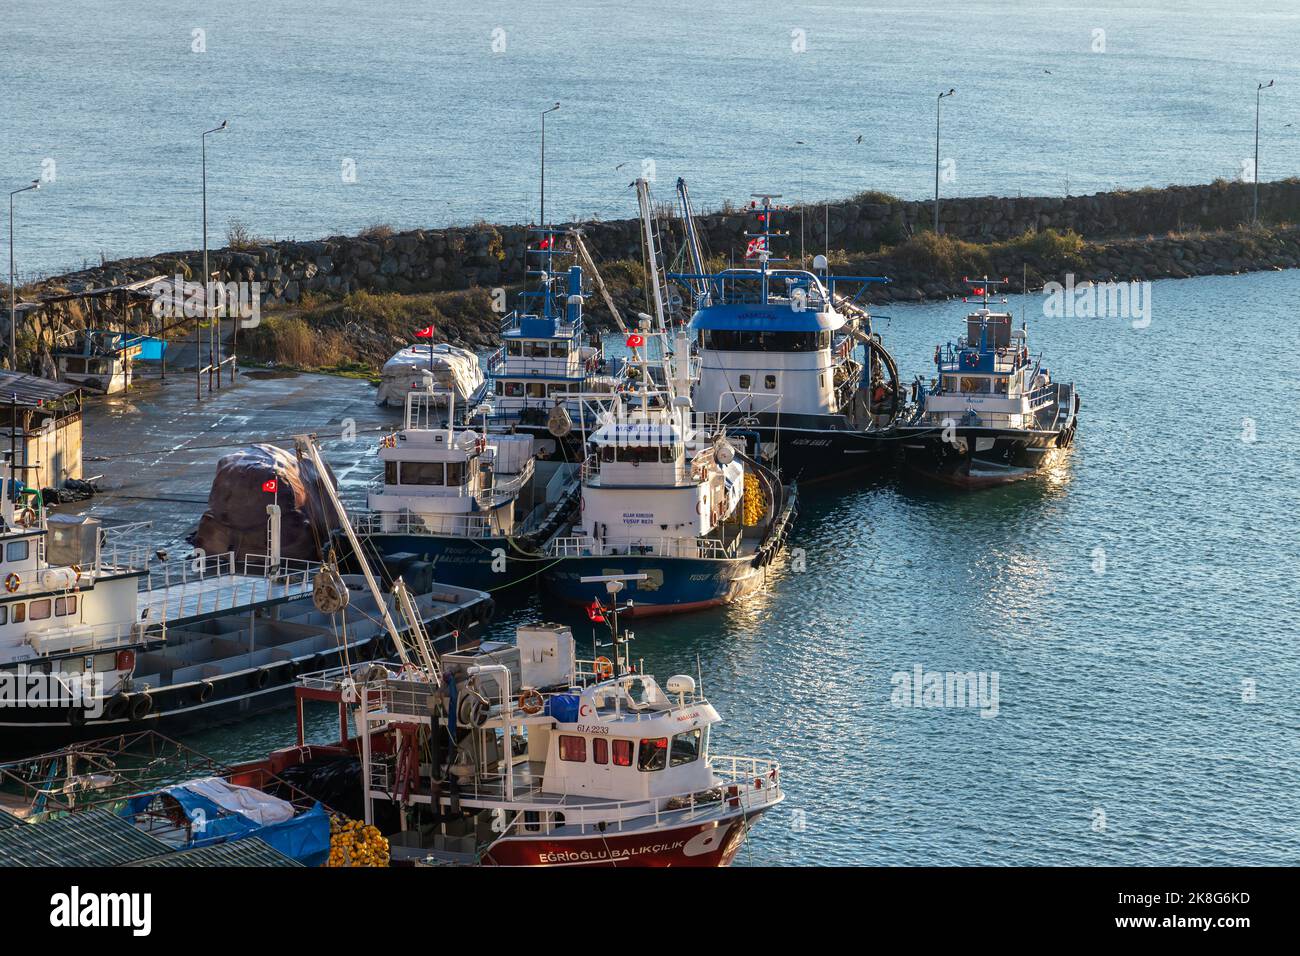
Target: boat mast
{"x":652,"y":252}
{"x":699,"y":285}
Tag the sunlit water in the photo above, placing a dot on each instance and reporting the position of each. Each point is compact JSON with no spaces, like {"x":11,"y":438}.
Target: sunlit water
{"x":1129,"y":605}
{"x":345,"y":114}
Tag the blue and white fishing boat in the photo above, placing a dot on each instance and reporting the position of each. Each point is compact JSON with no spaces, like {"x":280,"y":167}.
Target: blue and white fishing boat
{"x":667,"y":500}
{"x":778,"y":353}
{"x":477,"y":505}
{"x":548,"y":361}
{"x":992,"y":414}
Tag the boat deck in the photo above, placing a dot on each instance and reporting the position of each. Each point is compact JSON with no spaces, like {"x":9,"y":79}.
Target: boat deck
{"x":184,"y":601}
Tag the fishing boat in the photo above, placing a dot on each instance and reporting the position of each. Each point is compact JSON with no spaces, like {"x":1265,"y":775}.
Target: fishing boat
{"x":548,"y":364}
{"x":665,"y":497}
{"x":523,"y":754}
{"x":992,"y":414}
{"x":100,"y":634}
{"x":778,"y":353}
{"x":477,"y":505}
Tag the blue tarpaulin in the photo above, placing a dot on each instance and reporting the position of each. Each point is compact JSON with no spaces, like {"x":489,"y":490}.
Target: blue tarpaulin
{"x":305,"y":837}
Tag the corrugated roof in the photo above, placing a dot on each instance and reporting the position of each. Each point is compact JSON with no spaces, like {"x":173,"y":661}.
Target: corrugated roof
{"x":249,"y":851}
{"x":89,"y":838}
{"x":31,"y":390}
{"x":7,"y":819}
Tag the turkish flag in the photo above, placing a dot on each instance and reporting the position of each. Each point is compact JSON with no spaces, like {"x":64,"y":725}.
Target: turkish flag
{"x":270,"y":485}
{"x":635,"y":341}
{"x":596,"y":613}
{"x":424,"y":333}
{"x":978,"y":290}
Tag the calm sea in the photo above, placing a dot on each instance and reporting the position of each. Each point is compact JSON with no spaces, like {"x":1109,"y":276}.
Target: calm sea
{"x":1137,"y":607}
{"x":426,"y":112}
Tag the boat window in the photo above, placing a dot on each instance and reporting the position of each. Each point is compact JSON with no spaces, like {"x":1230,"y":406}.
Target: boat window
{"x":557,"y":388}
{"x":514,"y":348}
{"x":975,"y":385}
{"x":686,"y":748}
{"x":670,"y":453}
{"x":769,"y":381}
{"x":456,"y":473}
{"x":40,"y":609}
{"x":422,"y":473}
{"x":951,"y":383}
{"x":638,"y":453}
{"x":622,"y":753}
{"x":501,"y":387}
{"x":514,"y":389}
{"x":390,"y":472}
{"x":536,"y":390}
{"x":559,"y":350}
{"x":573,"y":749}
{"x":599,"y":750}
{"x":652,"y":754}
{"x":607,"y":453}
{"x":536,"y":350}
{"x":730,"y":340}
{"x":17,"y":550}
{"x":1000,"y":386}
{"x":65,"y":605}
{"x":4,"y":614}
{"x":20,"y":613}
{"x":745,"y":381}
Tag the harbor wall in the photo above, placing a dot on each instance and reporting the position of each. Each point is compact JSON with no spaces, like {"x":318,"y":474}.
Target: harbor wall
{"x":1143,"y":234}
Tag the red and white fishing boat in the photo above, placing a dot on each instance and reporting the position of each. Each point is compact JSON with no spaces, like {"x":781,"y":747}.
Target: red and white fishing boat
{"x":523,"y":755}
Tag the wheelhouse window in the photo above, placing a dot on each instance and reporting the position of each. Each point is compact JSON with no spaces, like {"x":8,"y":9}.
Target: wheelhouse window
{"x":622,"y":753}
{"x":731,"y":340}
{"x":599,"y":750}
{"x":457,"y":473}
{"x":537,"y":350}
{"x":975,"y":385}
{"x":514,"y":348}
{"x":17,"y":550}
{"x":422,"y":473}
{"x":686,"y":748}
{"x":40,"y":609}
{"x":652,"y":754}
{"x":557,"y":388}
{"x":390,"y":472}
{"x":514,"y":389}
{"x":635,"y":454}
{"x":573,"y":749}
{"x":559,"y":350}
{"x":536,"y":389}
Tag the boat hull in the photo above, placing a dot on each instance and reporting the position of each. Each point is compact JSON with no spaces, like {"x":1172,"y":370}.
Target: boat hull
{"x":816,"y":447}
{"x":710,"y":844}
{"x":485,"y":564}
{"x":973,"y":458}
{"x":672,"y":585}
{"x":221,"y":699}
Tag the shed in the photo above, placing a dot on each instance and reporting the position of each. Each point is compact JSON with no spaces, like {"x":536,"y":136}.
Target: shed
{"x":43,"y":418}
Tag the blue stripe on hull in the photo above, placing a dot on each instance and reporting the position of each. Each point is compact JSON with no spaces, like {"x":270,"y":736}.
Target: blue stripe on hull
{"x":674,"y":584}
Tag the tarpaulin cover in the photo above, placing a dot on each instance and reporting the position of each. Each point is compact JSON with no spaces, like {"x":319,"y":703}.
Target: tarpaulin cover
{"x":305,"y":838}
{"x":563,"y":707}
{"x":236,"y":516}
{"x":455,"y":369}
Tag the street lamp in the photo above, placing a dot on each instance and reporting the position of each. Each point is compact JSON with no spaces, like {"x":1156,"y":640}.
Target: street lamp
{"x":13,"y":318}
{"x":936,"y":157}
{"x":799,"y":142}
{"x":207,"y":312}
{"x":1258,"y":89}
{"x":542,"y":221}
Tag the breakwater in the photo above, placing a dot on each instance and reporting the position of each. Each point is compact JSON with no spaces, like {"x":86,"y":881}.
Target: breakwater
{"x":1177,"y":231}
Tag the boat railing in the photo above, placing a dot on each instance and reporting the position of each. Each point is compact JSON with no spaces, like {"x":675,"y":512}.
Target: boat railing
{"x":743,"y":783}
{"x":209,"y":584}
{"x":584,"y":546}
{"x":505,"y":488}
{"x":458,"y":524}
{"x":92,"y":638}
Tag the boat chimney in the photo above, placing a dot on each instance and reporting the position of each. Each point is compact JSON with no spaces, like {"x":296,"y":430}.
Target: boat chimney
{"x":575,"y":295}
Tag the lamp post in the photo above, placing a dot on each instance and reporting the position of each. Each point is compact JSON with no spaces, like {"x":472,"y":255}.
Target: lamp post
{"x":799,"y":142}
{"x":542,"y":220}
{"x":13,"y":317}
{"x":937,"y":104}
{"x":1258,"y":89}
{"x":207,"y":311}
